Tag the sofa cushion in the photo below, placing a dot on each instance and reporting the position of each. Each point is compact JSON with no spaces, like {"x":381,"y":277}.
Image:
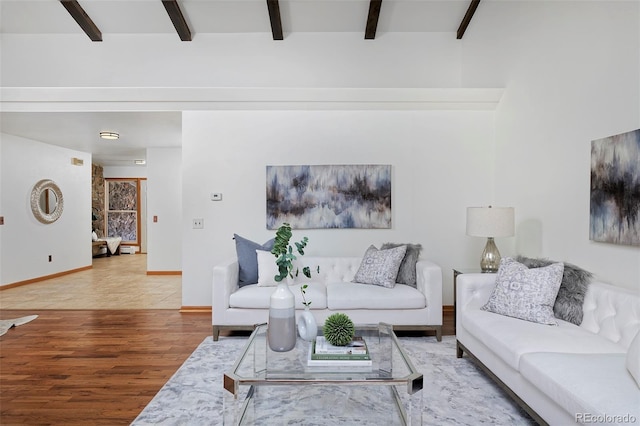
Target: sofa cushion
{"x":612,"y":312}
{"x":407,"y":270}
{"x":256,"y":297}
{"x":575,"y":281}
{"x":333,"y":269}
{"x":510,"y":338}
{"x":576,"y":383}
{"x":380,"y":267}
{"x":344,"y":295}
{"x":247,"y":259}
{"x":525,"y":293}
{"x":633,"y":359}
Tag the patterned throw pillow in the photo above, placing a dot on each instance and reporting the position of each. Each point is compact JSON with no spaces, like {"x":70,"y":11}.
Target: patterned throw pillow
{"x":524,"y":293}
{"x":380,"y":267}
{"x":407,"y":271}
{"x":573,"y":288}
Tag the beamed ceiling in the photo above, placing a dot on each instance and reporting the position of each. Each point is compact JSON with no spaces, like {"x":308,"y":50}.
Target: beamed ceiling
{"x":276,"y":19}
{"x":188,"y":18}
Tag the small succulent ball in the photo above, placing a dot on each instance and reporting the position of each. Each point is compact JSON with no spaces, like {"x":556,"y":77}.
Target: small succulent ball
{"x":338,"y":329}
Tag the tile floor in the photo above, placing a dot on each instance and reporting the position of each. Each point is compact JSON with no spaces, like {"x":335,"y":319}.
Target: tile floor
{"x":116,"y":282}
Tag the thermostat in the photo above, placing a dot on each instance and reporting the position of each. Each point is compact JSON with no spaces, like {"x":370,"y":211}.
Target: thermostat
{"x":216,"y":196}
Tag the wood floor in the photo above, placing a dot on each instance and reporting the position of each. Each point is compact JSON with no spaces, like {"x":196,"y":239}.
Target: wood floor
{"x":94,"y":366}
{"x":98,"y":367}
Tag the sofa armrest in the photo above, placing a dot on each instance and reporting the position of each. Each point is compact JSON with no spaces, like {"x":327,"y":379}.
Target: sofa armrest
{"x":474,"y":290}
{"x":429,"y":282}
{"x":225,"y":282}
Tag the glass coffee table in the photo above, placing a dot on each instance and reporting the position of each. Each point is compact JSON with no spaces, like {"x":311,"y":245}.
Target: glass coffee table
{"x":266,"y":387}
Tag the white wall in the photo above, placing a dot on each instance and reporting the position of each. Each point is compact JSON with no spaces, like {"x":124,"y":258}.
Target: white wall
{"x":570,"y":70}
{"x":164,"y":195}
{"x":232,"y":60}
{"x":26,"y":243}
{"x":572,"y":76}
{"x":441,"y":162}
{"x":124,"y":171}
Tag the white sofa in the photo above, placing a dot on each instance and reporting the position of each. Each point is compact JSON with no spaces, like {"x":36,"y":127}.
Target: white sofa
{"x":563,"y":374}
{"x":330,"y":291}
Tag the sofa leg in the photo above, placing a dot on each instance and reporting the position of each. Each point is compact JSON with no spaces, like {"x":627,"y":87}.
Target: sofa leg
{"x":216,"y":333}
{"x":439,"y":333}
{"x":459,"y":350}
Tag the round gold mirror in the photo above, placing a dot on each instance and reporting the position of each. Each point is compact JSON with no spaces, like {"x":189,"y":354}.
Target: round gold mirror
{"x":46,"y":201}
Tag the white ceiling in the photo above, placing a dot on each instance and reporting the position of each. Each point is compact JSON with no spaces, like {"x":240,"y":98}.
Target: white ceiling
{"x":80,"y":131}
{"x":139,"y":130}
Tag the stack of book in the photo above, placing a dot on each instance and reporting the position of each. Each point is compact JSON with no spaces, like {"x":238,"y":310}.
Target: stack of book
{"x":324,"y":354}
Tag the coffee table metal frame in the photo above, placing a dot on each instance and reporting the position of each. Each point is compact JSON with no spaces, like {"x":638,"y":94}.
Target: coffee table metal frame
{"x":257,"y":365}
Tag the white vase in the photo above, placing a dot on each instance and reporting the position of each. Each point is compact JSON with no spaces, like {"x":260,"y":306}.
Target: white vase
{"x":281,"y":330}
{"x":307,"y":326}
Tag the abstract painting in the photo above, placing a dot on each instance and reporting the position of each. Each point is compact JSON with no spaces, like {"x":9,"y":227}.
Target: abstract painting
{"x":329,"y":196}
{"x":615,"y":189}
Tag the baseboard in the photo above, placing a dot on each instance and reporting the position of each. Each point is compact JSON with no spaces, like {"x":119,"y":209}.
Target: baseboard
{"x":195,"y":309}
{"x":44,"y":278}
{"x":448,"y":309}
{"x":164,"y":272}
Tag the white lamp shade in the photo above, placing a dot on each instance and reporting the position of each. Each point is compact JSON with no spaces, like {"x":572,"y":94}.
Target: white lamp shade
{"x":490,"y":221}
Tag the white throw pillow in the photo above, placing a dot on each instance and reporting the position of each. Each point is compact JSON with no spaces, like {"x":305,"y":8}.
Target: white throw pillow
{"x":94,"y":236}
{"x":267,"y":268}
{"x":633,"y":358}
{"x":380,"y":267}
{"x":527,"y":294}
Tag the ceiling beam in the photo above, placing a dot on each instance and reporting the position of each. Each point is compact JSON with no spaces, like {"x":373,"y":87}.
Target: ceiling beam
{"x":177,"y":18}
{"x":372,"y":19}
{"x":77,"y":12}
{"x":274,"y":17}
{"x":467,"y":18}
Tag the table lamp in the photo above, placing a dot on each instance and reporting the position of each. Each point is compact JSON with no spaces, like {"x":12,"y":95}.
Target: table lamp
{"x":490,"y":222}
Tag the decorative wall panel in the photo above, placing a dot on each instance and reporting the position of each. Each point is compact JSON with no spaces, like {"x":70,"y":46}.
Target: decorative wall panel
{"x":122,"y":209}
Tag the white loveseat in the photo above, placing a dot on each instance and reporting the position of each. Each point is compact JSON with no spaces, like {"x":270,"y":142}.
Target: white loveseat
{"x":563,"y":374}
{"x":330,"y":291}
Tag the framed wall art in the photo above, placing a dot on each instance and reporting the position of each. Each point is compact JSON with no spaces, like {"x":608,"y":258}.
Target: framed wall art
{"x":123,"y":209}
{"x":615,"y":189}
{"x":329,"y":196}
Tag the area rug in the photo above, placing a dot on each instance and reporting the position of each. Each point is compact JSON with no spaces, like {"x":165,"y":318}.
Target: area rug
{"x":5,"y":325}
{"x":456,"y":392}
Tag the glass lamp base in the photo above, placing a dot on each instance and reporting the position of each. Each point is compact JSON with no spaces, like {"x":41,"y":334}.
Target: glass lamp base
{"x":490,"y":260}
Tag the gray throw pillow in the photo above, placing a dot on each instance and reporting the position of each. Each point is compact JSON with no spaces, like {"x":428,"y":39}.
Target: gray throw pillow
{"x":524,"y":293}
{"x":575,"y":281}
{"x":380,"y":267}
{"x":407,"y":271}
{"x":248,"y":260}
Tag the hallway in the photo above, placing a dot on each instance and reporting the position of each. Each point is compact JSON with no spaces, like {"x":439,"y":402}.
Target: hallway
{"x":116,"y":282}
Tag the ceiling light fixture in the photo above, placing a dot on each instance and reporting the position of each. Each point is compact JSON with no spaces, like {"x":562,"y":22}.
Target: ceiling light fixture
{"x":140,"y":162}
{"x":109,"y":135}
